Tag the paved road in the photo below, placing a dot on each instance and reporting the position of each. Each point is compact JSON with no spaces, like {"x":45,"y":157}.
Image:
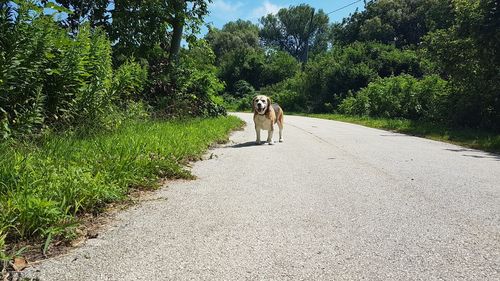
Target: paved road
{"x":335,"y":201}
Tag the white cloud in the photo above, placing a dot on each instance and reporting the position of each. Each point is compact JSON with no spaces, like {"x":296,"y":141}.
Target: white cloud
{"x":265,"y":9}
{"x":226,"y":7}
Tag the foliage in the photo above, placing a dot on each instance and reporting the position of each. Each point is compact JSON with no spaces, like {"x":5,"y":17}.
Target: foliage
{"x":239,"y":57}
{"x":152,"y":29}
{"x":129,"y":81}
{"x":140,"y":30}
{"x":400,"y":97}
{"x":468,"y":54}
{"x":289,"y":94}
{"x":296,"y":30}
{"x":191,"y":88}
{"x":473,"y":138}
{"x":233,"y":36}
{"x":43,"y":187}
{"x":49,"y":78}
{"x":398,"y":22}
{"x":81,"y":11}
{"x":330,"y":77}
{"x":243,"y":64}
{"x":243,"y":89}
{"x":278,"y":66}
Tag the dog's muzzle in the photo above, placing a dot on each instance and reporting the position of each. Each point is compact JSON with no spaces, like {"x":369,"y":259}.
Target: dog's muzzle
{"x":261,"y":110}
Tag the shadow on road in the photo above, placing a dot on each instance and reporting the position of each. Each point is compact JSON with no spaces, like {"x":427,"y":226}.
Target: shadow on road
{"x":483,"y":155}
{"x":244,"y":144}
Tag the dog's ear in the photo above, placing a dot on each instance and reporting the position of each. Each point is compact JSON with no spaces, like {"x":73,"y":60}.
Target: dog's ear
{"x":253,"y":105}
{"x":268,"y":110}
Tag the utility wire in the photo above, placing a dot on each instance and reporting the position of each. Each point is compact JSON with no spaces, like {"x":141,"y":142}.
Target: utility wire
{"x":343,"y":7}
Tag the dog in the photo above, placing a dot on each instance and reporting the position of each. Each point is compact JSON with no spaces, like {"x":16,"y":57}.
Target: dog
{"x":265,"y":115}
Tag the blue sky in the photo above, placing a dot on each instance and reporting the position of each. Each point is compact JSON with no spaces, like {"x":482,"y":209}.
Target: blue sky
{"x":222,"y":11}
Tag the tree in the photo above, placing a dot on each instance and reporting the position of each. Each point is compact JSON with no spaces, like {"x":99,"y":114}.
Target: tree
{"x":240,"y":57}
{"x":235,"y":35}
{"x":278,"y":66}
{"x":330,"y":77}
{"x":94,"y":11}
{"x":153,"y":29}
{"x":399,"y":22}
{"x":244,"y":64}
{"x":296,"y":30}
{"x":183,"y":13}
{"x":467,"y":53}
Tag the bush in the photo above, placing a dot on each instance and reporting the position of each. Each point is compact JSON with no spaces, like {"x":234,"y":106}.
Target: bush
{"x":129,"y":81}
{"x":23,"y":57}
{"x":242,"y":64}
{"x":51,"y":80}
{"x":288,"y":94}
{"x":243,"y":89}
{"x":278,"y":67}
{"x":190,"y":87}
{"x":400,"y":97}
{"x":328,"y":78}
{"x":468,"y":55}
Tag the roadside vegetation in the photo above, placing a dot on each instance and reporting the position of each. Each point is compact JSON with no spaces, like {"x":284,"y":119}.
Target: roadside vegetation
{"x":432,"y":62}
{"x":472,"y":138}
{"x":95,"y":100}
{"x":98,"y":97}
{"x":48,"y":184}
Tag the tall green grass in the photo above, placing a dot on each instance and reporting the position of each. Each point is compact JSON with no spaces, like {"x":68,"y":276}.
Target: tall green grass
{"x":45,"y":186}
{"x":473,"y":138}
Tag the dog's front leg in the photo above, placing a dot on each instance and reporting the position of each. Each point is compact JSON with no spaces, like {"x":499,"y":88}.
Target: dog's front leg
{"x":257,"y":132}
{"x":270,"y":134}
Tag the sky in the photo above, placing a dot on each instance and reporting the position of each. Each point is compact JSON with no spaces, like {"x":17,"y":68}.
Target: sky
{"x":223,"y":11}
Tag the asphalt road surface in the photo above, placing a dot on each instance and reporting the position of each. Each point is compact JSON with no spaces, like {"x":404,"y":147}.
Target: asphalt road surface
{"x":335,"y":201}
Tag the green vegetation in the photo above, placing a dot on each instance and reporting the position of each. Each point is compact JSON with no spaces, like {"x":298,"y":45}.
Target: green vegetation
{"x":431,"y":60}
{"x":473,"y":138}
{"x":45,"y":186}
{"x":75,"y":79}
{"x":400,"y":97}
{"x":55,"y":78}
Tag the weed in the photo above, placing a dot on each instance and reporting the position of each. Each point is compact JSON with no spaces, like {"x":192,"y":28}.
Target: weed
{"x":473,"y":138}
{"x":45,"y":186}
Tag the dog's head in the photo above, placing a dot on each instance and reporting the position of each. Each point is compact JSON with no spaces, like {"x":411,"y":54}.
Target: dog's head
{"x":261,"y":104}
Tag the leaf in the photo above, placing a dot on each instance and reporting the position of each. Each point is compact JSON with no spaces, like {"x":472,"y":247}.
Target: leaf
{"x":47,"y":243}
{"x":19,"y":264}
{"x":60,"y":9}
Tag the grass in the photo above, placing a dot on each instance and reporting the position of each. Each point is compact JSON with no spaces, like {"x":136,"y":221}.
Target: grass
{"x":44,"y":187}
{"x":472,"y":138}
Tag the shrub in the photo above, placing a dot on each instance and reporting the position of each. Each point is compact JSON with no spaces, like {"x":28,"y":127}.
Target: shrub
{"x":49,"y":79}
{"x":328,"y":78}
{"x":400,"y":97}
{"x":278,"y":67}
{"x":129,"y":81}
{"x":190,"y":87}
{"x":288,"y":94}
{"x":95,"y":97}
{"x":243,"y":89}
{"x":23,"y":56}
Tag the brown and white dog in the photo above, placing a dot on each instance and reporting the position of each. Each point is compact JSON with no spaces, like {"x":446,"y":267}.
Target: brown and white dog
{"x":265,"y":115}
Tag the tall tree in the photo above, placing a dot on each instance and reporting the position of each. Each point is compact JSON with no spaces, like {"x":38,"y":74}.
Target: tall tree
{"x":154,"y":28}
{"x":399,"y":22}
{"x":468,"y":54}
{"x":296,"y":30}
{"x":184,"y":13}
{"x":234,"y":35}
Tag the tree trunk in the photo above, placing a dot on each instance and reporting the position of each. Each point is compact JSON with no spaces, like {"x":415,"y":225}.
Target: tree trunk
{"x":175,"y":44}
{"x":178,"y":26}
